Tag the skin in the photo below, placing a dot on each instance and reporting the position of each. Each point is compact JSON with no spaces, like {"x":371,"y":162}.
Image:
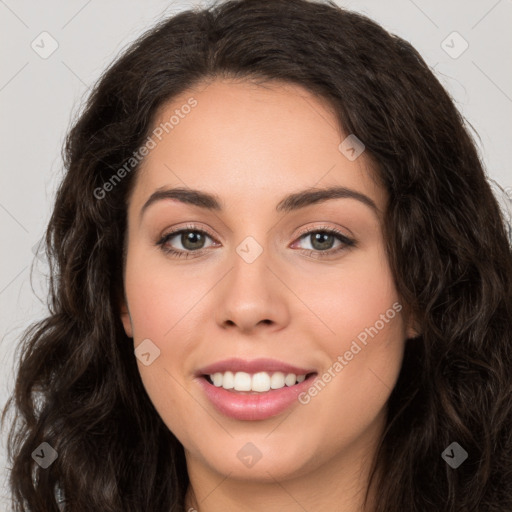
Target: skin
{"x":251,"y":145}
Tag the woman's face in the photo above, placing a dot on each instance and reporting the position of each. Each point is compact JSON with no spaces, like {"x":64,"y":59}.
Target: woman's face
{"x":262,"y":289}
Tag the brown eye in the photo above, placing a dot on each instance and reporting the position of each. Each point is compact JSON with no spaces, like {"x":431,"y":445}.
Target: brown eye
{"x":322,"y":241}
{"x":188,"y":241}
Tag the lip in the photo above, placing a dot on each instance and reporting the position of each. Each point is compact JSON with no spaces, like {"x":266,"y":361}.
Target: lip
{"x":253,"y":366}
{"x":250,"y":405}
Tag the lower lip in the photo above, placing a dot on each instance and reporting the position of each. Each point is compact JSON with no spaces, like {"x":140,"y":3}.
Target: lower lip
{"x":254,"y":406}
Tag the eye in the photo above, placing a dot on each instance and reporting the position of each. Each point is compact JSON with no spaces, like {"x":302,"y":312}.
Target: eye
{"x":322,"y":240}
{"x":190,"y":238}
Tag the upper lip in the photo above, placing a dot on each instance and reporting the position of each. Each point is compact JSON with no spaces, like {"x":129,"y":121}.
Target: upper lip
{"x":252,"y":366}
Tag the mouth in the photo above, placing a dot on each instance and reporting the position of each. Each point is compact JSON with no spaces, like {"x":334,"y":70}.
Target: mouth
{"x":255,"y":383}
{"x":253,"y":390}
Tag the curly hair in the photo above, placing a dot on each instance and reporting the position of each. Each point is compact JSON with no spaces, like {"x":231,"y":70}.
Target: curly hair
{"x":78,"y":387}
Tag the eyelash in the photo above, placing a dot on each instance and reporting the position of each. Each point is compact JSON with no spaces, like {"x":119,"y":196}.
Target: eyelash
{"x":346,"y":242}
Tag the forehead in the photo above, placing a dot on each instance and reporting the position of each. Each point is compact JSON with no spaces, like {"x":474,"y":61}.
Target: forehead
{"x":250,"y":142}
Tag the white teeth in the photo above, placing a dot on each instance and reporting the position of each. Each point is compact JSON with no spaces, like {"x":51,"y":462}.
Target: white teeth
{"x":243,"y":381}
{"x":277,"y":380}
{"x":260,"y":382}
{"x":290,"y":379}
{"x":217,"y":379}
{"x":228,"y":380}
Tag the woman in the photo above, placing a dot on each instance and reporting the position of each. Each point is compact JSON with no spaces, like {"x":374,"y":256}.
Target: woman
{"x":199,"y":356}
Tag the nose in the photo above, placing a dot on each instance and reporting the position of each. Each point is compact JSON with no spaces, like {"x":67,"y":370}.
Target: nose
{"x":251,"y":296}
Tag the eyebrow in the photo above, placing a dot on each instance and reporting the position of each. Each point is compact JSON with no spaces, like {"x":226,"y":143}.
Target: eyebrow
{"x":290,"y":203}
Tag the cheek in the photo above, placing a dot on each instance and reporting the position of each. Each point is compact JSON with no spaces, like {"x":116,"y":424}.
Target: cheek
{"x":365,"y":345}
{"x":163,"y":306}
{"x":354,"y":297}
{"x":159,"y":296}
{"x":159,"y":314}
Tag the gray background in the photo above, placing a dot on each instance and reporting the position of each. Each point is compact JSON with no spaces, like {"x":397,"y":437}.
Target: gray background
{"x":39,"y":96}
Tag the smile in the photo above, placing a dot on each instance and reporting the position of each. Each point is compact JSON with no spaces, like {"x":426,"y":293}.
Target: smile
{"x":260,"y":382}
{"x":253,"y":390}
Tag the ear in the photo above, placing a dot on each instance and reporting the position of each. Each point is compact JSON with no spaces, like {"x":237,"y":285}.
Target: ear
{"x":413,"y":331}
{"x":412,"y":326}
{"x":126,"y":319}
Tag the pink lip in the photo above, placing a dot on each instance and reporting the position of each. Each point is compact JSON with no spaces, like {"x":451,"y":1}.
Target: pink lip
{"x":252,"y":406}
{"x":254,"y":366}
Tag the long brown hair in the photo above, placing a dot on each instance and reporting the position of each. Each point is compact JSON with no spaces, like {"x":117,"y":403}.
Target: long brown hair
{"x":78,"y":387}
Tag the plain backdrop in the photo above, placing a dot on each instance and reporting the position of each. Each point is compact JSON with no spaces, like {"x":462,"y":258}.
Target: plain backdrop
{"x":40,"y":94}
